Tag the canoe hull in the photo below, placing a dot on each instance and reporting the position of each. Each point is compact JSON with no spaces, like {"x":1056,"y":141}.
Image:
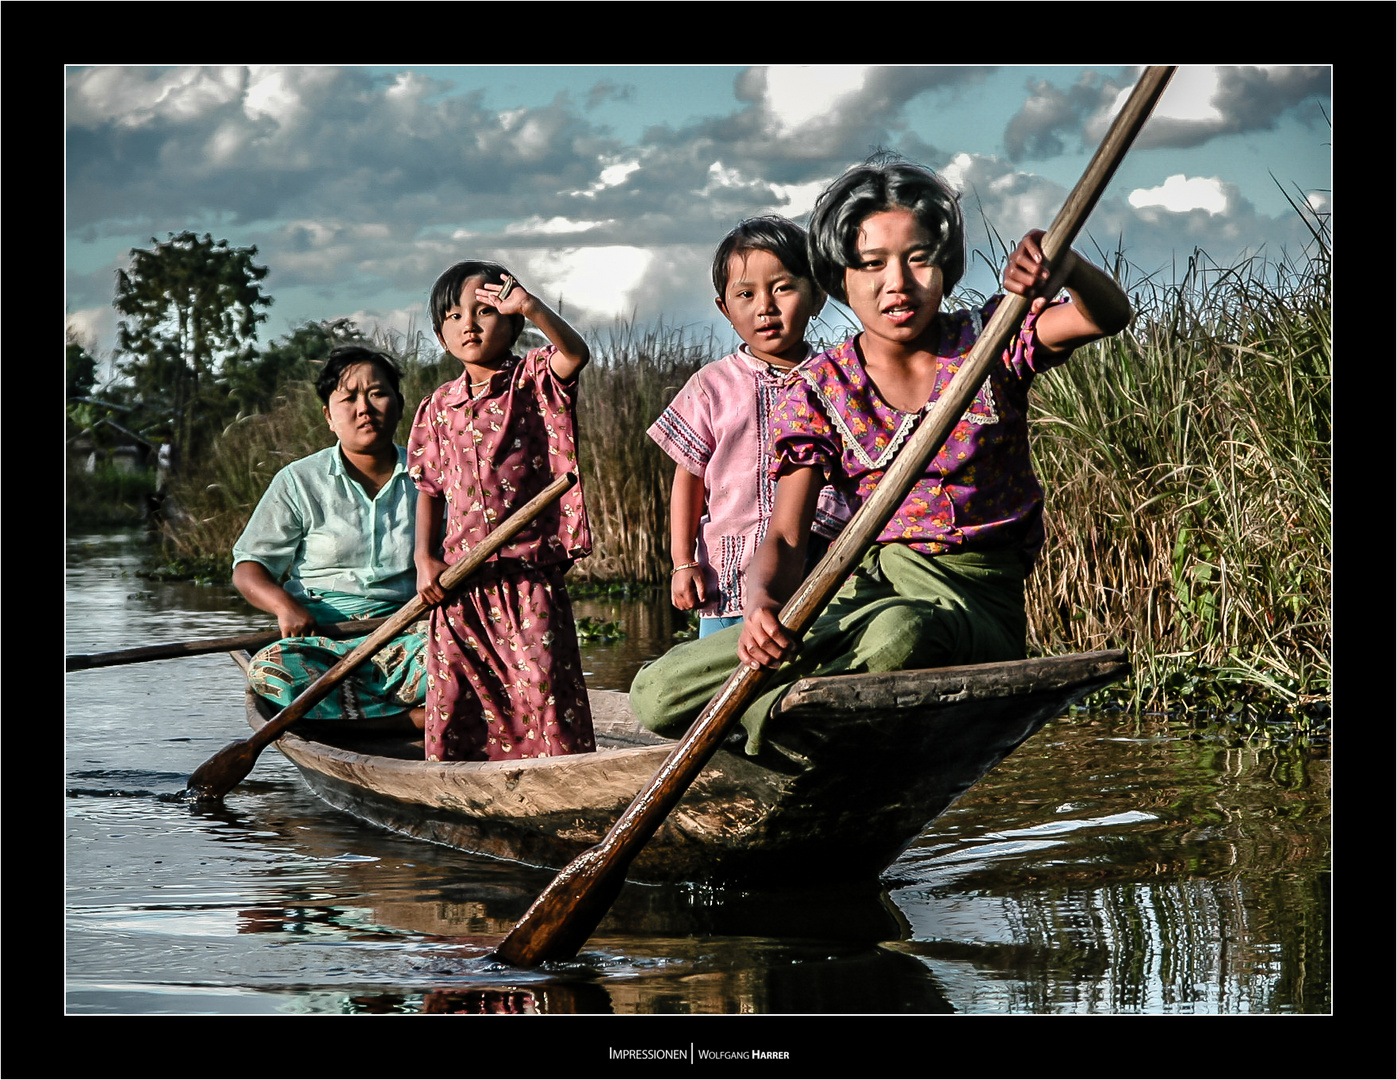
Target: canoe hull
{"x":797,"y":813}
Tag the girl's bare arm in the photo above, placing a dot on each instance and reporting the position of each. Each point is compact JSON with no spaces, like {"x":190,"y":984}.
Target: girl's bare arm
{"x":1098,"y":309}
{"x":572,"y":353}
{"x":430,"y":512}
{"x":686,"y":499}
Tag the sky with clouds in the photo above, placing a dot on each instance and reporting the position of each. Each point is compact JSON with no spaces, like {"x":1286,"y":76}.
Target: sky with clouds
{"x":608,"y":187}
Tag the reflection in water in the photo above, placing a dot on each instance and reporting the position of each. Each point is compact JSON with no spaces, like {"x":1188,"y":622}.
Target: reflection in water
{"x":1110,"y":865}
{"x":649,"y":623}
{"x":1173,"y":948}
{"x":485,"y":1001}
{"x":1152,"y":873}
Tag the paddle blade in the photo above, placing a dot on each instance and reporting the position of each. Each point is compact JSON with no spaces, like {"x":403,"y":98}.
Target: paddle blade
{"x":560,"y":921}
{"x":223,"y":772}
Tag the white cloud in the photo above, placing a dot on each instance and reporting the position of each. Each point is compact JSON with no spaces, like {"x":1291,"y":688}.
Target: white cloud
{"x":797,"y":95}
{"x":613,"y":175}
{"x":957,"y":171}
{"x":1190,"y":95}
{"x":1180,"y":194}
{"x":600,"y":281}
{"x":131,"y":98}
{"x":270,"y":95}
{"x":407,"y":88}
{"x":799,"y":198}
{"x":91,"y":325}
{"x":309,"y":250}
{"x":225,"y":144}
{"x":398,"y":325}
{"x":721,"y":177}
{"x":537,"y":226}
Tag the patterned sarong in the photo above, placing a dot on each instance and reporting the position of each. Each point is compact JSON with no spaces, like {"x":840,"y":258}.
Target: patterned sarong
{"x":390,"y":682}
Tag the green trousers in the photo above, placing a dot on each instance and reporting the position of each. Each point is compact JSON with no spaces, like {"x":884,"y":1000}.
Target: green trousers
{"x":898,"y":609}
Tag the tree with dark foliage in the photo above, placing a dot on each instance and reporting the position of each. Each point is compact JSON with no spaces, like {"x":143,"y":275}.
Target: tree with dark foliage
{"x":190,"y":304}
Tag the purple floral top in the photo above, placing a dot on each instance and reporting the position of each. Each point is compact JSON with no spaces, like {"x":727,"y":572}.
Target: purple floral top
{"x":978,"y":494}
{"x":489,"y":454}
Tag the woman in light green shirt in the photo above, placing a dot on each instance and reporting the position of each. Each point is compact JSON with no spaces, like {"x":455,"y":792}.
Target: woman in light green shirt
{"x":332,"y":540}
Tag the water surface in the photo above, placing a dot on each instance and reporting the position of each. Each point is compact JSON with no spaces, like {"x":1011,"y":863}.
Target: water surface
{"x":1112,"y":865}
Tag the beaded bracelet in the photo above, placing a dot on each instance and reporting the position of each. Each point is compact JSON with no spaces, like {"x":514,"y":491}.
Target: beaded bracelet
{"x":686,"y":566}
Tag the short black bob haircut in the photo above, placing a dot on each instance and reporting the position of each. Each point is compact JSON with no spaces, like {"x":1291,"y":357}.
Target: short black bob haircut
{"x":884,"y":183}
{"x":782,"y":238}
{"x":446,"y":293}
{"x":346,"y":356}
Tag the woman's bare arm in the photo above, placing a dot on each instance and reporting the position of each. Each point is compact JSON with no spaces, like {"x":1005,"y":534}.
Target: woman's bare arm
{"x":262,"y":591}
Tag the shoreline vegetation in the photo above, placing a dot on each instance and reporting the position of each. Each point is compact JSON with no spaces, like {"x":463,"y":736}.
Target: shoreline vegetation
{"x":1186,"y":464}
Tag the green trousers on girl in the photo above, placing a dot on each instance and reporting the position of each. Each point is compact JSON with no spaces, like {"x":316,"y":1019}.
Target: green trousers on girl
{"x":899,"y":609}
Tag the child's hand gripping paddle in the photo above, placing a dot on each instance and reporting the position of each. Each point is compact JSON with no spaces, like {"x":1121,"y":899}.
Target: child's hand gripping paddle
{"x":227,"y":768}
{"x":567,"y":912}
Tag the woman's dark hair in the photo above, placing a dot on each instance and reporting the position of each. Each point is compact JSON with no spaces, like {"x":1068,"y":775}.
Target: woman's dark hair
{"x":346,"y":356}
{"x":881,"y":184}
{"x":782,"y":238}
{"x":446,"y":293}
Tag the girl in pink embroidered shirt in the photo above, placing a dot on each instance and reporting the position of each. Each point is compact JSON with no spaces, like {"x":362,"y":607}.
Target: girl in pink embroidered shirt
{"x":944,"y":584}
{"x":504,"y":673}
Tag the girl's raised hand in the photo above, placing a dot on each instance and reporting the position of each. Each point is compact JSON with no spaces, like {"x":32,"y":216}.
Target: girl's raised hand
{"x":508,"y":299}
{"x":1028,"y":271}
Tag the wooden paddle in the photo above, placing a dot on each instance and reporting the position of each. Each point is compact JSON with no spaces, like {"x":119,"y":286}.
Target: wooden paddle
{"x":227,"y":768}
{"x":566,"y":913}
{"x":251,"y":642}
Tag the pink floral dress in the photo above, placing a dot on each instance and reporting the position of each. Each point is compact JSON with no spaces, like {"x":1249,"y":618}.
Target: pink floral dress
{"x":504,"y":672}
{"x":978,"y":494}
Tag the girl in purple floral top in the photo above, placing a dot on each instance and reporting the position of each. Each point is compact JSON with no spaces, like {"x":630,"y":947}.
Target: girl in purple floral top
{"x":504,"y":672}
{"x":944,"y":582}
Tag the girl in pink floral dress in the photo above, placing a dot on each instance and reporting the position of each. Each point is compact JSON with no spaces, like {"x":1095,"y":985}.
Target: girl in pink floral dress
{"x":504,"y":673}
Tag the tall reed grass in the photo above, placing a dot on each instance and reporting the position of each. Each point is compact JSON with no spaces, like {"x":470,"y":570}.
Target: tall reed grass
{"x":1188,"y":478}
{"x":634,"y":374}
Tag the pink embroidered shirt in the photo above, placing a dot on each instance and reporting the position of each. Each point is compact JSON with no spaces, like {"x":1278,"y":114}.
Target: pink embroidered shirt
{"x":489,"y":454}
{"x":978,"y":494}
{"x":718,"y":428}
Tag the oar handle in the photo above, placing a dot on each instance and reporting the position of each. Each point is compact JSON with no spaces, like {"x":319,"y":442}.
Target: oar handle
{"x":250,"y":642}
{"x":567,"y":912}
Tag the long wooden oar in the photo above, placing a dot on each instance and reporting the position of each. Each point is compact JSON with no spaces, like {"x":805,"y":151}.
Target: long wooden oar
{"x":567,"y":912}
{"x":227,"y":768}
{"x":175,"y":649}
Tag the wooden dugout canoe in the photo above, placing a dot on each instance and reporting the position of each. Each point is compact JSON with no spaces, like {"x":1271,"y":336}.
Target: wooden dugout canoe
{"x":856,"y":767}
